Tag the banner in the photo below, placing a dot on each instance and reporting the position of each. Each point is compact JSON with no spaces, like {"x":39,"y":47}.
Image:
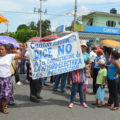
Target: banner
{"x":59,"y":56}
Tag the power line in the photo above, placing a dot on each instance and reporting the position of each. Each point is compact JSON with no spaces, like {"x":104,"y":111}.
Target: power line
{"x":19,"y":12}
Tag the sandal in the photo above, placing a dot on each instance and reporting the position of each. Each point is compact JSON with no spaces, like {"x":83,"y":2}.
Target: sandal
{"x":114,"y":108}
{"x":5,"y":111}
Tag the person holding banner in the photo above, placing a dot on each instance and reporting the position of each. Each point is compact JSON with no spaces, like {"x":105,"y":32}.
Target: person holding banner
{"x":79,"y":78}
{"x":35,"y":84}
{"x":63,"y":77}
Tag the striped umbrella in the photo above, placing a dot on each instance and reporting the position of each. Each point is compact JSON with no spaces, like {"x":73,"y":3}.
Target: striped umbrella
{"x":49,"y":38}
{"x":34,"y":39}
{"x":110,"y":43}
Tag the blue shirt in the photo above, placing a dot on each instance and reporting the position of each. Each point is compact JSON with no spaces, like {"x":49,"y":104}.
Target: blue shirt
{"x":96,"y":65}
{"x":112,"y":70}
{"x":86,"y":57}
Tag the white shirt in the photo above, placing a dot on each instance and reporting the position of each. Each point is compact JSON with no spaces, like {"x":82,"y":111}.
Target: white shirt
{"x":5,"y":65}
{"x":92,"y":56}
{"x":27,"y":54}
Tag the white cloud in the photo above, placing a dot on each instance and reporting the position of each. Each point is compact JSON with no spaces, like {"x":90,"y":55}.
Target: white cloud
{"x":9,"y":5}
{"x":65,"y":2}
{"x":80,"y":11}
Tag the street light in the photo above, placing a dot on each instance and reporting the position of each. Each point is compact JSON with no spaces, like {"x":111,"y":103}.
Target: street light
{"x":40,"y":13}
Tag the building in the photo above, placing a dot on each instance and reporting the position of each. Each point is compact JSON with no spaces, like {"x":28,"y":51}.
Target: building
{"x":101,"y":25}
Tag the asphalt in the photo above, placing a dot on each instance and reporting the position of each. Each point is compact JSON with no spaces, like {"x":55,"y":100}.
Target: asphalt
{"x":54,"y":106}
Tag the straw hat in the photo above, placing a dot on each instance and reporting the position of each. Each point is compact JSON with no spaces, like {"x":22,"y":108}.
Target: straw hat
{"x":101,"y":62}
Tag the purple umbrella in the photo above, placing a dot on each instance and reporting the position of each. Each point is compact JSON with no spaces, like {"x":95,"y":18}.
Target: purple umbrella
{"x":7,"y":40}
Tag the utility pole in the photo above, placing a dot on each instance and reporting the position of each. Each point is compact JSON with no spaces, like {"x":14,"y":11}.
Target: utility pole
{"x":7,"y":27}
{"x":39,"y":11}
{"x":75,"y":15}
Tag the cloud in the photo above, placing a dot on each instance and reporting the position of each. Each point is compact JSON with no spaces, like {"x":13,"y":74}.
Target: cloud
{"x":65,"y":2}
{"x":9,"y":5}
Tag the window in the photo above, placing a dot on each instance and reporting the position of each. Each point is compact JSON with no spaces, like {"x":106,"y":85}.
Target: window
{"x":111,"y":23}
{"x":90,"y":22}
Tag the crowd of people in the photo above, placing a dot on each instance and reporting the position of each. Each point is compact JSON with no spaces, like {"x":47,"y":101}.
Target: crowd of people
{"x":101,"y":64}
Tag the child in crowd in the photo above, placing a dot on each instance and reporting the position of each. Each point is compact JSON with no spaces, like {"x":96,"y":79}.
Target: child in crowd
{"x":100,"y":83}
{"x":88,"y":76}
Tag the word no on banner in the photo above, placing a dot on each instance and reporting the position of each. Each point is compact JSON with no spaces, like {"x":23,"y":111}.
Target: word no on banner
{"x":56,"y":57}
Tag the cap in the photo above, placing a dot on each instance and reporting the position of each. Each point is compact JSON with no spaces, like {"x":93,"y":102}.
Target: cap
{"x":99,"y":50}
{"x":84,"y":44}
{"x":101,"y":61}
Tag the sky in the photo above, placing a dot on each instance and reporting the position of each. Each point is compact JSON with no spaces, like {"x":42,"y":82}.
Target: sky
{"x":22,"y":11}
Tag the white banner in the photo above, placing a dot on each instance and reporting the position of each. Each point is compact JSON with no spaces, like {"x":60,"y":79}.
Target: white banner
{"x":59,"y":56}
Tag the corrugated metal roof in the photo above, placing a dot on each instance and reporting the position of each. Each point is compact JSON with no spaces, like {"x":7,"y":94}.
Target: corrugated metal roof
{"x":102,"y":13}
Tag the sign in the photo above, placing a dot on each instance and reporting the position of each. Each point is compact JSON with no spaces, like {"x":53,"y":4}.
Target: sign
{"x":78,"y":27}
{"x":60,"y":29}
{"x":56,"y":57}
{"x":108,"y":30}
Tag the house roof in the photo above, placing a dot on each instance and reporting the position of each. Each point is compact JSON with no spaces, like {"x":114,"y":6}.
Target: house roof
{"x":102,"y":13}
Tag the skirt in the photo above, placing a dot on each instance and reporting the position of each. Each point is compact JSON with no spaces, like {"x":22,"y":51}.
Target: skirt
{"x":5,"y":89}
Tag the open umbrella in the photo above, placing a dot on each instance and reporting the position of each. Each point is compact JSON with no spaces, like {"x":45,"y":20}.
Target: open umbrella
{"x":110,"y":43}
{"x":34,"y":39}
{"x":49,"y":38}
{"x":3,"y":19}
{"x":7,"y":40}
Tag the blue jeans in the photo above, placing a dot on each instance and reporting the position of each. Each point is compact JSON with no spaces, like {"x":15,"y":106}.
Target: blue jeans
{"x":77,"y":87}
{"x":63,"y":78}
{"x":43,"y":80}
{"x":22,"y":66}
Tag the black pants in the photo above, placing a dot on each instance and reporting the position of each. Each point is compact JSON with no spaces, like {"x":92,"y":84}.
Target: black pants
{"x":35,"y":87}
{"x":119,"y":87}
{"x":28,"y":67}
{"x":17,"y":78}
{"x":113,"y":92}
{"x":95,"y":73}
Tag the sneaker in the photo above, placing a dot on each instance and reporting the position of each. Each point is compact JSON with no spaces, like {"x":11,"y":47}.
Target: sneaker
{"x":71,"y":105}
{"x":18,"y":83}
{"x":34,"y":99}
{"x":114,"y":108}
{"x":84,"y":105}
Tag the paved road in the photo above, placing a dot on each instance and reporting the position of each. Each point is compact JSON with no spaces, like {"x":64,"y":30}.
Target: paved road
{"x":54,"y":106}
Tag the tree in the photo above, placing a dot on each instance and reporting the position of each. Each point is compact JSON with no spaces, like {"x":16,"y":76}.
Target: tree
{"x":24,"y":35}
{"x":45,"y":27}
{"x":32,"y":26}
{"x":22,"y":26}
{"x":25,"y":32}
